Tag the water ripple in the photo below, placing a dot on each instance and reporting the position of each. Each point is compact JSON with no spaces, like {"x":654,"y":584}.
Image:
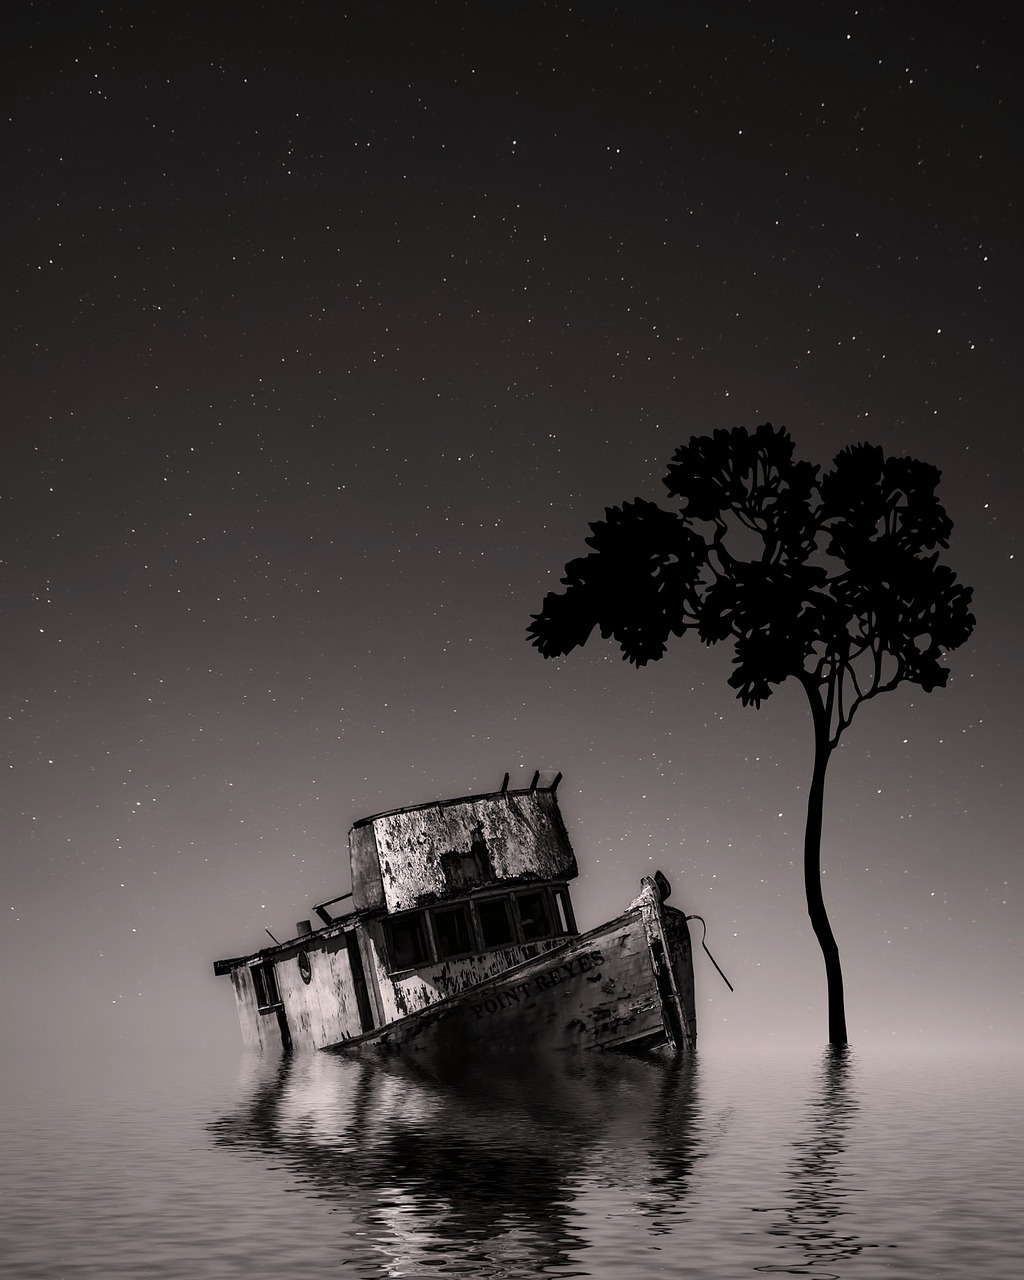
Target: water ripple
{"x":719,"y":1166}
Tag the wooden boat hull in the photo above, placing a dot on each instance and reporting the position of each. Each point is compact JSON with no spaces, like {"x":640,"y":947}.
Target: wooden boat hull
{"x":625,"y":985}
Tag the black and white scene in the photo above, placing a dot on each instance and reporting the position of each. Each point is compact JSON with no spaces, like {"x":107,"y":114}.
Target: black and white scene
{"x":512,"y":684}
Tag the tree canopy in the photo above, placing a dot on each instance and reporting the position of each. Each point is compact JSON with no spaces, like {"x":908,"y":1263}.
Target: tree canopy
{"x":834,"y":580}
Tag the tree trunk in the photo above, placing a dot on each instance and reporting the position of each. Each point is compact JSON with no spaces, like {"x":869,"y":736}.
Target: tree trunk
{"x":812,"y":872}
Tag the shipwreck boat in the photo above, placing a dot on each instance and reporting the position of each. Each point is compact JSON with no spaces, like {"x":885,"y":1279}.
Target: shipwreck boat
{"x":460,"y":935}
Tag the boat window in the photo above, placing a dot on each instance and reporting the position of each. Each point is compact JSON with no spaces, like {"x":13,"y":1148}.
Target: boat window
{"x":563,"y":911}
{"x":496,"y":927}
{"x":533,"y":915}
{"x":407,"y":941}
{"x":453,"y":932}
{"x":265,"y":982}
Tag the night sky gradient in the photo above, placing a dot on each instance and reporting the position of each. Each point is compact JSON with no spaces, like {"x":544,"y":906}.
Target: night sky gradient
{"x":328,"y":329}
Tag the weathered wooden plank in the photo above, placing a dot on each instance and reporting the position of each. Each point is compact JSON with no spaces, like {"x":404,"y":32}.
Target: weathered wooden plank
{"x":600,"y":990}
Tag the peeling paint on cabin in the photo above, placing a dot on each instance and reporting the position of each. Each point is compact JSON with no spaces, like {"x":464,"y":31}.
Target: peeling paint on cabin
{"x":367,"y":886}
{"x":321,"y":1011}
{"x":324,"y":1009}
{"x":415,"y":857}
{"x":257,"y":1031}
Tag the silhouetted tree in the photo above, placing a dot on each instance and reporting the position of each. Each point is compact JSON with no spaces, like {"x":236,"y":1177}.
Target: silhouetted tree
{"x":832,"y":581}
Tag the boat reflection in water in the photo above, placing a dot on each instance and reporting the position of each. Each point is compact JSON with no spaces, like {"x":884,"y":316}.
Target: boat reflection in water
{"x":474,"y":1164}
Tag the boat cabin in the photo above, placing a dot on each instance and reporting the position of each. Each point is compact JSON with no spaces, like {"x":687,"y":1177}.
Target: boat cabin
{"x":444,"y":896}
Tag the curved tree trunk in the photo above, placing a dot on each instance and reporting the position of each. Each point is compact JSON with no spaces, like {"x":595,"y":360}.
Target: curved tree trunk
{"x":812,"y":872}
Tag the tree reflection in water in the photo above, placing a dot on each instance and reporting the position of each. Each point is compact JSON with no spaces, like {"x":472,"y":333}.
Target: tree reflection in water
{"x":474,"y":1163}
{"x":818,"y":1195}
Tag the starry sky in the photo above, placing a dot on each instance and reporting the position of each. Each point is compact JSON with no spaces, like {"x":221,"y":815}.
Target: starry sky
{"x":327,"y":330}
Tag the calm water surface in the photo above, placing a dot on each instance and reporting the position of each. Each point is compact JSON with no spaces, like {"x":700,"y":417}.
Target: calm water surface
{"x":730,"y":1165}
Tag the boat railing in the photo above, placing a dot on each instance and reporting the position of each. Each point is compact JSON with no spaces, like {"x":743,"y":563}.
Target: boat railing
{"x":325,"y":915}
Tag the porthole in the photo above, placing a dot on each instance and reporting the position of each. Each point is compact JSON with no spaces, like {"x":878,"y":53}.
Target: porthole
{"x":304,"y":967}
